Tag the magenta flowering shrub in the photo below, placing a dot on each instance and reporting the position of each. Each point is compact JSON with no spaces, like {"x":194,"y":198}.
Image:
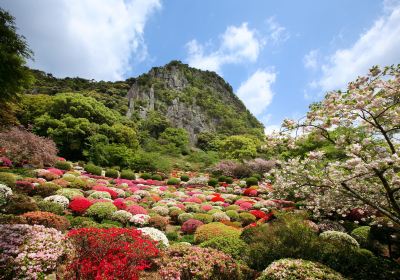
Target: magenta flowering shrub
{"x":190,"y":262}
{"x":190,"y":226}
{"x":5,"y":161}
{"x":30,"y":252}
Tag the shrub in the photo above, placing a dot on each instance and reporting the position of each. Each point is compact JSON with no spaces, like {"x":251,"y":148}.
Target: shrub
{"x":11,"y":219}
{"x":339,"y":238}
{"x":122,"y":216}
{"x":205,"y":218}
{"x":23,"y":146}
{"x":260,"y":166}
{"x":173,"y":181}
{"x":247,"y":218}
{"x":24,"y":187}
{"x":156,"y":177}
{"x":221,"y":178}
{"x":256,"y":175}
{"x":252,"y":181}
{"x":233,"y":246}
{"x":199,"y":263}
{"x":47,"y":189}
{"x":233,"y":215}
{"x":59,"y":199}
{"x":63,"y":165}
{"x":69,"y":193}
{"x":212,"y":182}
{"x":19,"y":204}
{"x":115,"y":253}
{"x":128,"y":174}
{"x":112,"y":173}
{"x":220,"y":216}
{"x":78,"y":183}
{"x":241,"y":171}
{"x":101,"y":210}
{"x":184,"y":217}
{"x":185,"y":178}
{"x":145,"y":176}
{"x":155,"y":235}
{"x":211,"y":230}
{"x":286,"y":237}
{"x":100,"y":195}
{"x":362,"y":235}
{"x":288,"y":269}
{"x":82,"y":222}
{"x":5,"y":194}
{"x":136,"y":209}
{"x":46,"y":219}
{"x":158,"y":222}
{"x":79,"y":205}
{"x":93,"y":169}
{"x":20,"y":258}
{"x":190,"y":226}
{"x":48,"y":206}
{"x":229,"y":180}
{"x":8,"y":179}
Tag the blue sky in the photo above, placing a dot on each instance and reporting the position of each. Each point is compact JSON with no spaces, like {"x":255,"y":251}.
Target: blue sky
{"x":279,"y":56}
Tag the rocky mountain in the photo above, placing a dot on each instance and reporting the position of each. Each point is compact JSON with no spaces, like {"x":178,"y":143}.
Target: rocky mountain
{"x":189,"y":98}
{"x":196,"y":100}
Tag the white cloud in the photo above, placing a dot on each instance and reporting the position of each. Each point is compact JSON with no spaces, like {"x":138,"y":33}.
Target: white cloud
{"x":278,"y":33}
{"x":238,"y":44}
{"x":269,"y":129}
{"x":256,"y":92}
{"x":91,"y":38}
{"x":380,"y":45}
{"x":310,"y":60}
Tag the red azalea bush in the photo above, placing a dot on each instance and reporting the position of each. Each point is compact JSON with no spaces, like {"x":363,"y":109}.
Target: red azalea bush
{"x":79,"y":205}
{"x":46,"y":219}
{"x":120,"y":203}
{"x":190,"y":226}
{"x":24,"y":187}
{"x":217,"y":198}
{"x":109,"y":254}
{"x":259,"y":214}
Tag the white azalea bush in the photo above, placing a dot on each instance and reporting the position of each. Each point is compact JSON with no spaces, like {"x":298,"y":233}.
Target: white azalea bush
{"x":5,"y":194}
{"x":156,"y":235}
{"x":59,"y":199}
{"x":362,"y":126}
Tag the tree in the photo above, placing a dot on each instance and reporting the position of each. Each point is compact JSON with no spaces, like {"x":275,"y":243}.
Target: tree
{"x":238,"y":147}
{"x":175,"y":138}
{"x":368,"y":176}
{"x":14,"y":76}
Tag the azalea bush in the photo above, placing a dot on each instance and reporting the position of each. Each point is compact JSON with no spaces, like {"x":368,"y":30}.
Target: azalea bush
{"x":30,"y":252}
{"x":46,"y":219}
{"x":186,"y":262}
{"x":22,"y":146}
{"x":112,"y":254}
{"x":361,"y":125}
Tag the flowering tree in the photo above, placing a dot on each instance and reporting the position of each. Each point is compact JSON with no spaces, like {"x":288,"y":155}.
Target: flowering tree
{"x":367,"y":115}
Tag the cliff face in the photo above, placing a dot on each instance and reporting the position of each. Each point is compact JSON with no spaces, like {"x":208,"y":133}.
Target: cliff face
{"x":198,"y":101}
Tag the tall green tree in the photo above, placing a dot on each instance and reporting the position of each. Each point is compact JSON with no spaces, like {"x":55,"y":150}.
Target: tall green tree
{"x":14,"y":76}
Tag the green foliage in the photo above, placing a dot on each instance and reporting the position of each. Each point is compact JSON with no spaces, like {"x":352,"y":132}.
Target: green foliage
{"x":233,"y":246}
{"x":14,"y":75}
{"x":233,"y":215}
{"x":205,"y":218}
{"x":8,"y":179}
{"x":51,"y":207}
{"x":252,"y":181}
{"x":362,"y":235}
{"x":185,"y":178}
{"x":247,"y":218}
{"x":46,"y":189}
{"x":339,"y":238}
{"x":156,"y":177}
{"x":238,"y":147}
{"x":150,"y":162}
{"x":20,"y":204}
{"x":145,"y":176}
{"x":173,"y":181}
{"x":209,"y":231}
{"x":101,"y":210}
{"x":212,"y":182}
{"x":174,"y":139}
{"x":128,"y":174}
{"x":63,"y":165}
{"x":93,"y":169}
{"x":112,"y":173}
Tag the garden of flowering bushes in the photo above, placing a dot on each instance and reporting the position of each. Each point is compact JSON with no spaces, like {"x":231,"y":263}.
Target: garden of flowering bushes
{"x":72,"y":224}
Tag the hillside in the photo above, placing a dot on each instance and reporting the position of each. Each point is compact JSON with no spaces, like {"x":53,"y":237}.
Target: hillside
{"x":198,"y":101}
